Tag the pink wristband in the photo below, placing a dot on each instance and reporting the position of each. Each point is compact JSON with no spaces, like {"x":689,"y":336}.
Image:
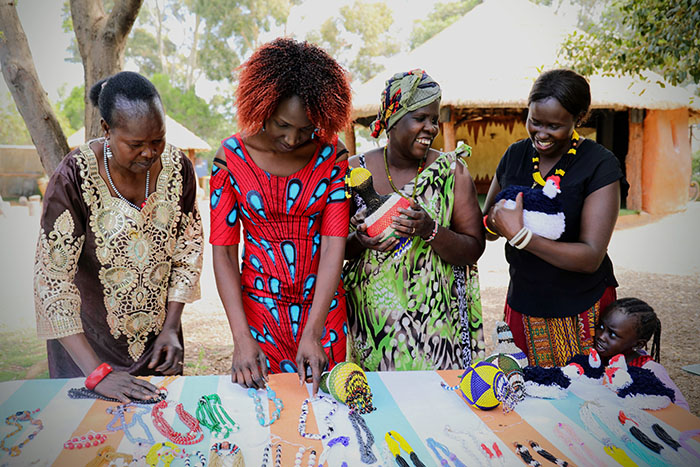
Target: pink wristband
{"x":434,"y":232}
{"x":97,"y":375}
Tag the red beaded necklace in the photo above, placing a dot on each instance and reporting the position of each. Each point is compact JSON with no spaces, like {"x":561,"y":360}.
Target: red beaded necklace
{"x":194,"y":436}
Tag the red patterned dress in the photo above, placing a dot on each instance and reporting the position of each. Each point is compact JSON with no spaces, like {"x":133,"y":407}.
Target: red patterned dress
{"x":283,"y":221}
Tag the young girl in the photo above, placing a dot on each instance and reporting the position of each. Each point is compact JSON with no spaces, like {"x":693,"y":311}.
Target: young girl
{"x":626,"y":327}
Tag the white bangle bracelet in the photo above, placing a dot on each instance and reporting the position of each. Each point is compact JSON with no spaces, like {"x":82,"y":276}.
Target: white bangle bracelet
{"x":526,"y":240}
{"x":518,"y":236}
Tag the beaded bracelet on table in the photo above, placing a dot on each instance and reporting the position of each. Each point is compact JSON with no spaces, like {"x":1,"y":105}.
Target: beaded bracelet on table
{"x":489,"y":455}
{"x":359,"y":424}
{"x":85,"y":441}
{"x":547,"y":455}
{"x":138,"y":411}
{"x":85,"y":393}
{"x":155,"y":455}
{"x":436,"y":446}
{"x":212,"y":415}
{"x":194,"y":436}
{"x":259,"y":413}
{"x":525,"y":455}
{"x":327,"y":419}
{"x":16,"y":419}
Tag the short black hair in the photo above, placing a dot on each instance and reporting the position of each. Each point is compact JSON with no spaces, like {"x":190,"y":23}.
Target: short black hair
{"x":648,"y":324}
{"x":566,"y":86}
{"x":121,"y":91}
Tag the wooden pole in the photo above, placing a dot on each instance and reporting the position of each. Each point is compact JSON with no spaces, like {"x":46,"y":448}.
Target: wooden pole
{"x":633,"y":159}
{"x":448,"y":129}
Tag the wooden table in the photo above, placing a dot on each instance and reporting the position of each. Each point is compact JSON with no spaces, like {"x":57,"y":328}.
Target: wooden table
{"x":410,"y":403}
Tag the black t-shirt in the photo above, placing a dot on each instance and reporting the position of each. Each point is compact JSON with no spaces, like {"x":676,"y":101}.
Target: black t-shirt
{"x":536,"y":287}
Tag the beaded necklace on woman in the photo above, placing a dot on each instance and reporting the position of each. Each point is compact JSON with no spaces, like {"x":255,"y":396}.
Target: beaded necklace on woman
{"x":415,"y":180}
{"x":570,"y":155}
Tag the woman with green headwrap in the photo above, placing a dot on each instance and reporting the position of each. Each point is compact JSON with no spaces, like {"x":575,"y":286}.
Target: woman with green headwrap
{"x":413,"y":301}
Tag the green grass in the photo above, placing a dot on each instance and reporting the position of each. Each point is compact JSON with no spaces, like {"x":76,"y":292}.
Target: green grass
{"x":20,"y":351}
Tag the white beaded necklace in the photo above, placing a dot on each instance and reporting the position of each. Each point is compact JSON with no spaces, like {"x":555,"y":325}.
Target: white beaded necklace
{"x":108,"y":155}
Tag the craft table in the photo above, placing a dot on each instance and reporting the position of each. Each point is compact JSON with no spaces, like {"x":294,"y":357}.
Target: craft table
{"x":411,"y":403}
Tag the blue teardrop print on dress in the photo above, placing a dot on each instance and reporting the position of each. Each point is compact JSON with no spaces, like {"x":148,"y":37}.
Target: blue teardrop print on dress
{"x":268,"y":249}
{"x":274,"y":285}
{"x":233,"y":183}
{"x":345,"y":328}
{"x":245,"y":213}
{"x":308,"y":285}
{"x":332,"y":338}
{"x":255,"y":201}
{"x":250,"y":238}
{"x":312,"y":221}
{"x":214,"y":169}
{"x":289,"y":250}
{"x":259,"y":283}
{"x":319,"y":191}
{"x":293,"y":189}
{"x":316,"y":242}
{"x":215,"y":197}
{"x":287,"y":366}
{"x":324,"y":154}
{"x":232,"y":144}
{"x":232,"y":216}
{"x":336,"y":170}
{"x":268,"y":336}
{"x":334,"y":303}
{"x":295,"y":318}
{"x":256,"y":335}
{"x":255,"y":262}
{"x":337,"y":195}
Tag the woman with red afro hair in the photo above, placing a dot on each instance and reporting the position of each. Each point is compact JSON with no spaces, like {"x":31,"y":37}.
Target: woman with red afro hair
{"x":282,"y":178}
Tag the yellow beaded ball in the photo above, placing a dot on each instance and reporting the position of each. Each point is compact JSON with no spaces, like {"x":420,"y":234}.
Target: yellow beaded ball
{"x":481,"y":385}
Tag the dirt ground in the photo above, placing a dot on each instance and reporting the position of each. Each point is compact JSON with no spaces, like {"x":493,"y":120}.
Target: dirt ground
{"x":676,"y":299}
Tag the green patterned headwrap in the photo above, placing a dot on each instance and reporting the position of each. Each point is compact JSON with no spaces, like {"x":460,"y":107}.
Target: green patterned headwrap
{"x":404,"y":93}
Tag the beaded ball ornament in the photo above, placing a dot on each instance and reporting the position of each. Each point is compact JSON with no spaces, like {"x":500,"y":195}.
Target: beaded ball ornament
{"x":347,"y":383}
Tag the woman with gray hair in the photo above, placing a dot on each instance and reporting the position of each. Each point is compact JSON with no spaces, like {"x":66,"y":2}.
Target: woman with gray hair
{"x":413,"y":298}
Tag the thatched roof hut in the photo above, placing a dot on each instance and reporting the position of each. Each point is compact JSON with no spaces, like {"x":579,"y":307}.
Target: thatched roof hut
{"x":486,"y":63}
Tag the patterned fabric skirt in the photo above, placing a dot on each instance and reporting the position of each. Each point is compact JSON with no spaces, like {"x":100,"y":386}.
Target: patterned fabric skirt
{"x":553,"y":341}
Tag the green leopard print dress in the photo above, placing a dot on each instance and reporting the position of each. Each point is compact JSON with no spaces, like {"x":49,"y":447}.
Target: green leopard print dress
{"x":408,"y":309}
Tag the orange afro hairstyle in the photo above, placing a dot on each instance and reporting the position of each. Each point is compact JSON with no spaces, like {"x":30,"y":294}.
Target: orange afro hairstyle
{"x":284,"y":68}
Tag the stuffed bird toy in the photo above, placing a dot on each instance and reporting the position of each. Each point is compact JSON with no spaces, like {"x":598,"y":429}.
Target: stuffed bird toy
{"x":542,"y":212}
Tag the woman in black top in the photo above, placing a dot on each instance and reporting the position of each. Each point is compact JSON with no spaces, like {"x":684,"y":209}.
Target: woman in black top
{"x":557,"y":287}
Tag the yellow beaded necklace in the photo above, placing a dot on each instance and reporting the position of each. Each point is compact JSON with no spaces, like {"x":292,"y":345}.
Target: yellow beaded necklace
{"x":537,"y":176}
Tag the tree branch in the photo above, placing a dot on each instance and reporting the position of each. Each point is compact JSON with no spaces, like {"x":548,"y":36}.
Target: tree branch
{"x":26,"y":89}
{"x":122,"y":18}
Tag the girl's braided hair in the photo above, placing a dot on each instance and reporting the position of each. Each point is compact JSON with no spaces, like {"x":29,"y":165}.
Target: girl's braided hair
{"x":648,"y":324}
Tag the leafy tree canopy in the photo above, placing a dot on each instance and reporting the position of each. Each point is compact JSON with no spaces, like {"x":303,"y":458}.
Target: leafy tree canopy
{"x":442,"y":16}
{"x":633,"y":36}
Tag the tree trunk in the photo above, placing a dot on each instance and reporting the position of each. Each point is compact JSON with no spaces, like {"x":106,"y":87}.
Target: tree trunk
{"x":192,"y":61}
{"x":28,"y":93}
{"x":101,"y":42}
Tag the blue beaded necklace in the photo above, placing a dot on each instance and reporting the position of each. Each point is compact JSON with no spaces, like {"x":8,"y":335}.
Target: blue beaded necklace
{"x":119,"y":414}
{"x":259,"y":413}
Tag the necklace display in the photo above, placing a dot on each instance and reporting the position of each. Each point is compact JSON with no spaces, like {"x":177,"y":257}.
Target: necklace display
{"x":415,"y":180}
{"x":259,"y":413}
{"x":194,"y":436}
{"x":525,"y":455}
{"x":211,"y":414}
{"x":435,"y":446}
{"x":598,"y":430}
{"x":119,"y":413}
{"x":579,"y":448}
{"x":226,"y":454}
{"x":548,"y":455}
{"x":85,"y":441}
{"x":470,"y":442}
{"x":106,"y":455}
{"x":16,"y":419}
{"x":359,"y":424}
{"x":327,"y":419}
{"x":107,"y":154}
{"x":155,"y":455}
{"x":537,"y":176}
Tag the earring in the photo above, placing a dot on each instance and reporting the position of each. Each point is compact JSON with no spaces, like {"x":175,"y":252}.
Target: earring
{"x":107,"y":149}
{"x":263,"y":126}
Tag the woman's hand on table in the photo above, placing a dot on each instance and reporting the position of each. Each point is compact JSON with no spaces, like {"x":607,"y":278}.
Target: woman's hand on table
{"x":414,"y":222}
{"x":507,"y":222}
{"x":121,"y":385}
{"x":310,"y":354}
{"x":249,"y":364}
{"x":167,"y":343}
